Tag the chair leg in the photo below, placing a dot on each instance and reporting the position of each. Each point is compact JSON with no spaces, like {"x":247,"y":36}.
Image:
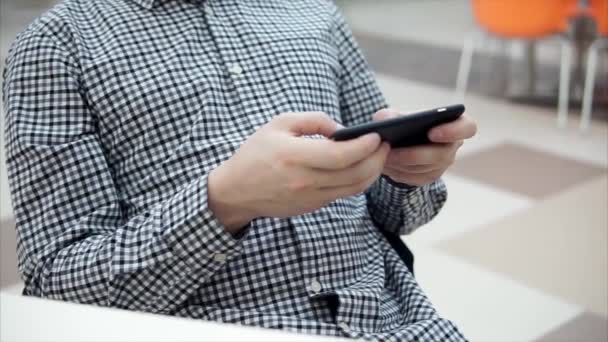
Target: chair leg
{"x":590,"y":83}
{"x":531,"y":47}
{"x":464,"y":69}
{"x":564,"y":83}
{"x":505,"y":71}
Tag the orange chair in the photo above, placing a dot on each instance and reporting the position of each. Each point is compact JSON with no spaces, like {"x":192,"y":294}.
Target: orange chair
{"x":598,"y":11}
{"x":520,"y":19}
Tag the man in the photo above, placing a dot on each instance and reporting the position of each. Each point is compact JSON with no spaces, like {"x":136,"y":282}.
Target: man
{"x":160,"y":159}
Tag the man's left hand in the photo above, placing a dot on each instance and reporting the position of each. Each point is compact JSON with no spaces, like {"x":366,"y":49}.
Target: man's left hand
{"x":420,"y":165}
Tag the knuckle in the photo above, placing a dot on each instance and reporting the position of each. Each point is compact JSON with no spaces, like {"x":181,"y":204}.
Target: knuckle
{"x":339,"y":158}
{"x":284,"y":160}
{"x":298,"y":185}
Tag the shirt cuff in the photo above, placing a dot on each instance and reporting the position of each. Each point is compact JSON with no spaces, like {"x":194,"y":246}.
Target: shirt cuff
{"x":388,"y":193}
{"x":195,"y":235}
{"x":398,"y":184}
{"x":401,"y":208}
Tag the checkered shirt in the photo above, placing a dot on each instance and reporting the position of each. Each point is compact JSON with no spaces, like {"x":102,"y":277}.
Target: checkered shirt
{"x":116,"y":112}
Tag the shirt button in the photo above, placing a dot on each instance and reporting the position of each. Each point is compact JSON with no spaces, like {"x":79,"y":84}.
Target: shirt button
{"x":344,"y":326}
{"x":315,"y":286}
{"x":219,"y":257}
{"x":209,"y":11}
{"x":235,"y":69}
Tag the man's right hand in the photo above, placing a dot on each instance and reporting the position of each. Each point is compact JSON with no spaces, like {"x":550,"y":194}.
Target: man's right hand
{"x":279,"y":173}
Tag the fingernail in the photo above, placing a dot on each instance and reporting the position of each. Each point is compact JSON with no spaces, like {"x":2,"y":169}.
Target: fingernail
{"x":339,"y":125}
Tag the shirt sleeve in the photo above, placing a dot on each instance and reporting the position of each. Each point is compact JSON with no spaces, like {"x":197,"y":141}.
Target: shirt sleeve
{"x":74,"y":240}
{"x":395,"y":207}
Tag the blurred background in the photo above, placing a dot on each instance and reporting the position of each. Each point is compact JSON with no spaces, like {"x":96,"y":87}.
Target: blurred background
{"x":519,"y":252}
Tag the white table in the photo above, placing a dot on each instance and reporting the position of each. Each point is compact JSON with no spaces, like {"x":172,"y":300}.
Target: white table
{"x":33,"y":319}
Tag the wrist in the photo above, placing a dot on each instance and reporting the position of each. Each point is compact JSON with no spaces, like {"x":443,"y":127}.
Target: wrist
{"x":232,"y":214}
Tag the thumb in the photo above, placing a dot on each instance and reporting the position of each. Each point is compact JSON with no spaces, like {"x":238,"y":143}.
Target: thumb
{"x":385,"y":113}
{"x":308,"y":123}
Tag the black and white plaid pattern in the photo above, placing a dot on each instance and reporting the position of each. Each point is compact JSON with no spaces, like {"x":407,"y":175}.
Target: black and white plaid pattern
{"x":116,"y":111}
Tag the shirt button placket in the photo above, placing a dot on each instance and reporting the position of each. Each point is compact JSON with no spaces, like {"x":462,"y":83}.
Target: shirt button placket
{"x":230,"y":50}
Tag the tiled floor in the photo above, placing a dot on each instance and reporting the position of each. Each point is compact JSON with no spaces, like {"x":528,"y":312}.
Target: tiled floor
{"x":524,"y":170}
{"x":519,"y":252}
{"x":564,"y":255}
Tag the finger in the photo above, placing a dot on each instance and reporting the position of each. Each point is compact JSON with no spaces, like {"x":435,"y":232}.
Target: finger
{"x":307,"y":123}
{"x":385,"y":113}
{"x":423,"y":154}
{"x":332,"y":155}
{"x":333,"y":193}
{"x":357,"y":173}
{"x":460,"y":129}
{"x":416,"y":169}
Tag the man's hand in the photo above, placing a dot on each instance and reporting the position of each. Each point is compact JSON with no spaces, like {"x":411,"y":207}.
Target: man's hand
{"x":279,"y":173}
{"x":420,"y":165}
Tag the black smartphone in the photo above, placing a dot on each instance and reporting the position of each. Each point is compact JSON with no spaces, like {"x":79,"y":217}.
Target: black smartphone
{"x":402,"y":131}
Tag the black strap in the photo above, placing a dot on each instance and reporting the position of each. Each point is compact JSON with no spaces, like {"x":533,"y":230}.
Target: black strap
{"x":401,"y":248}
